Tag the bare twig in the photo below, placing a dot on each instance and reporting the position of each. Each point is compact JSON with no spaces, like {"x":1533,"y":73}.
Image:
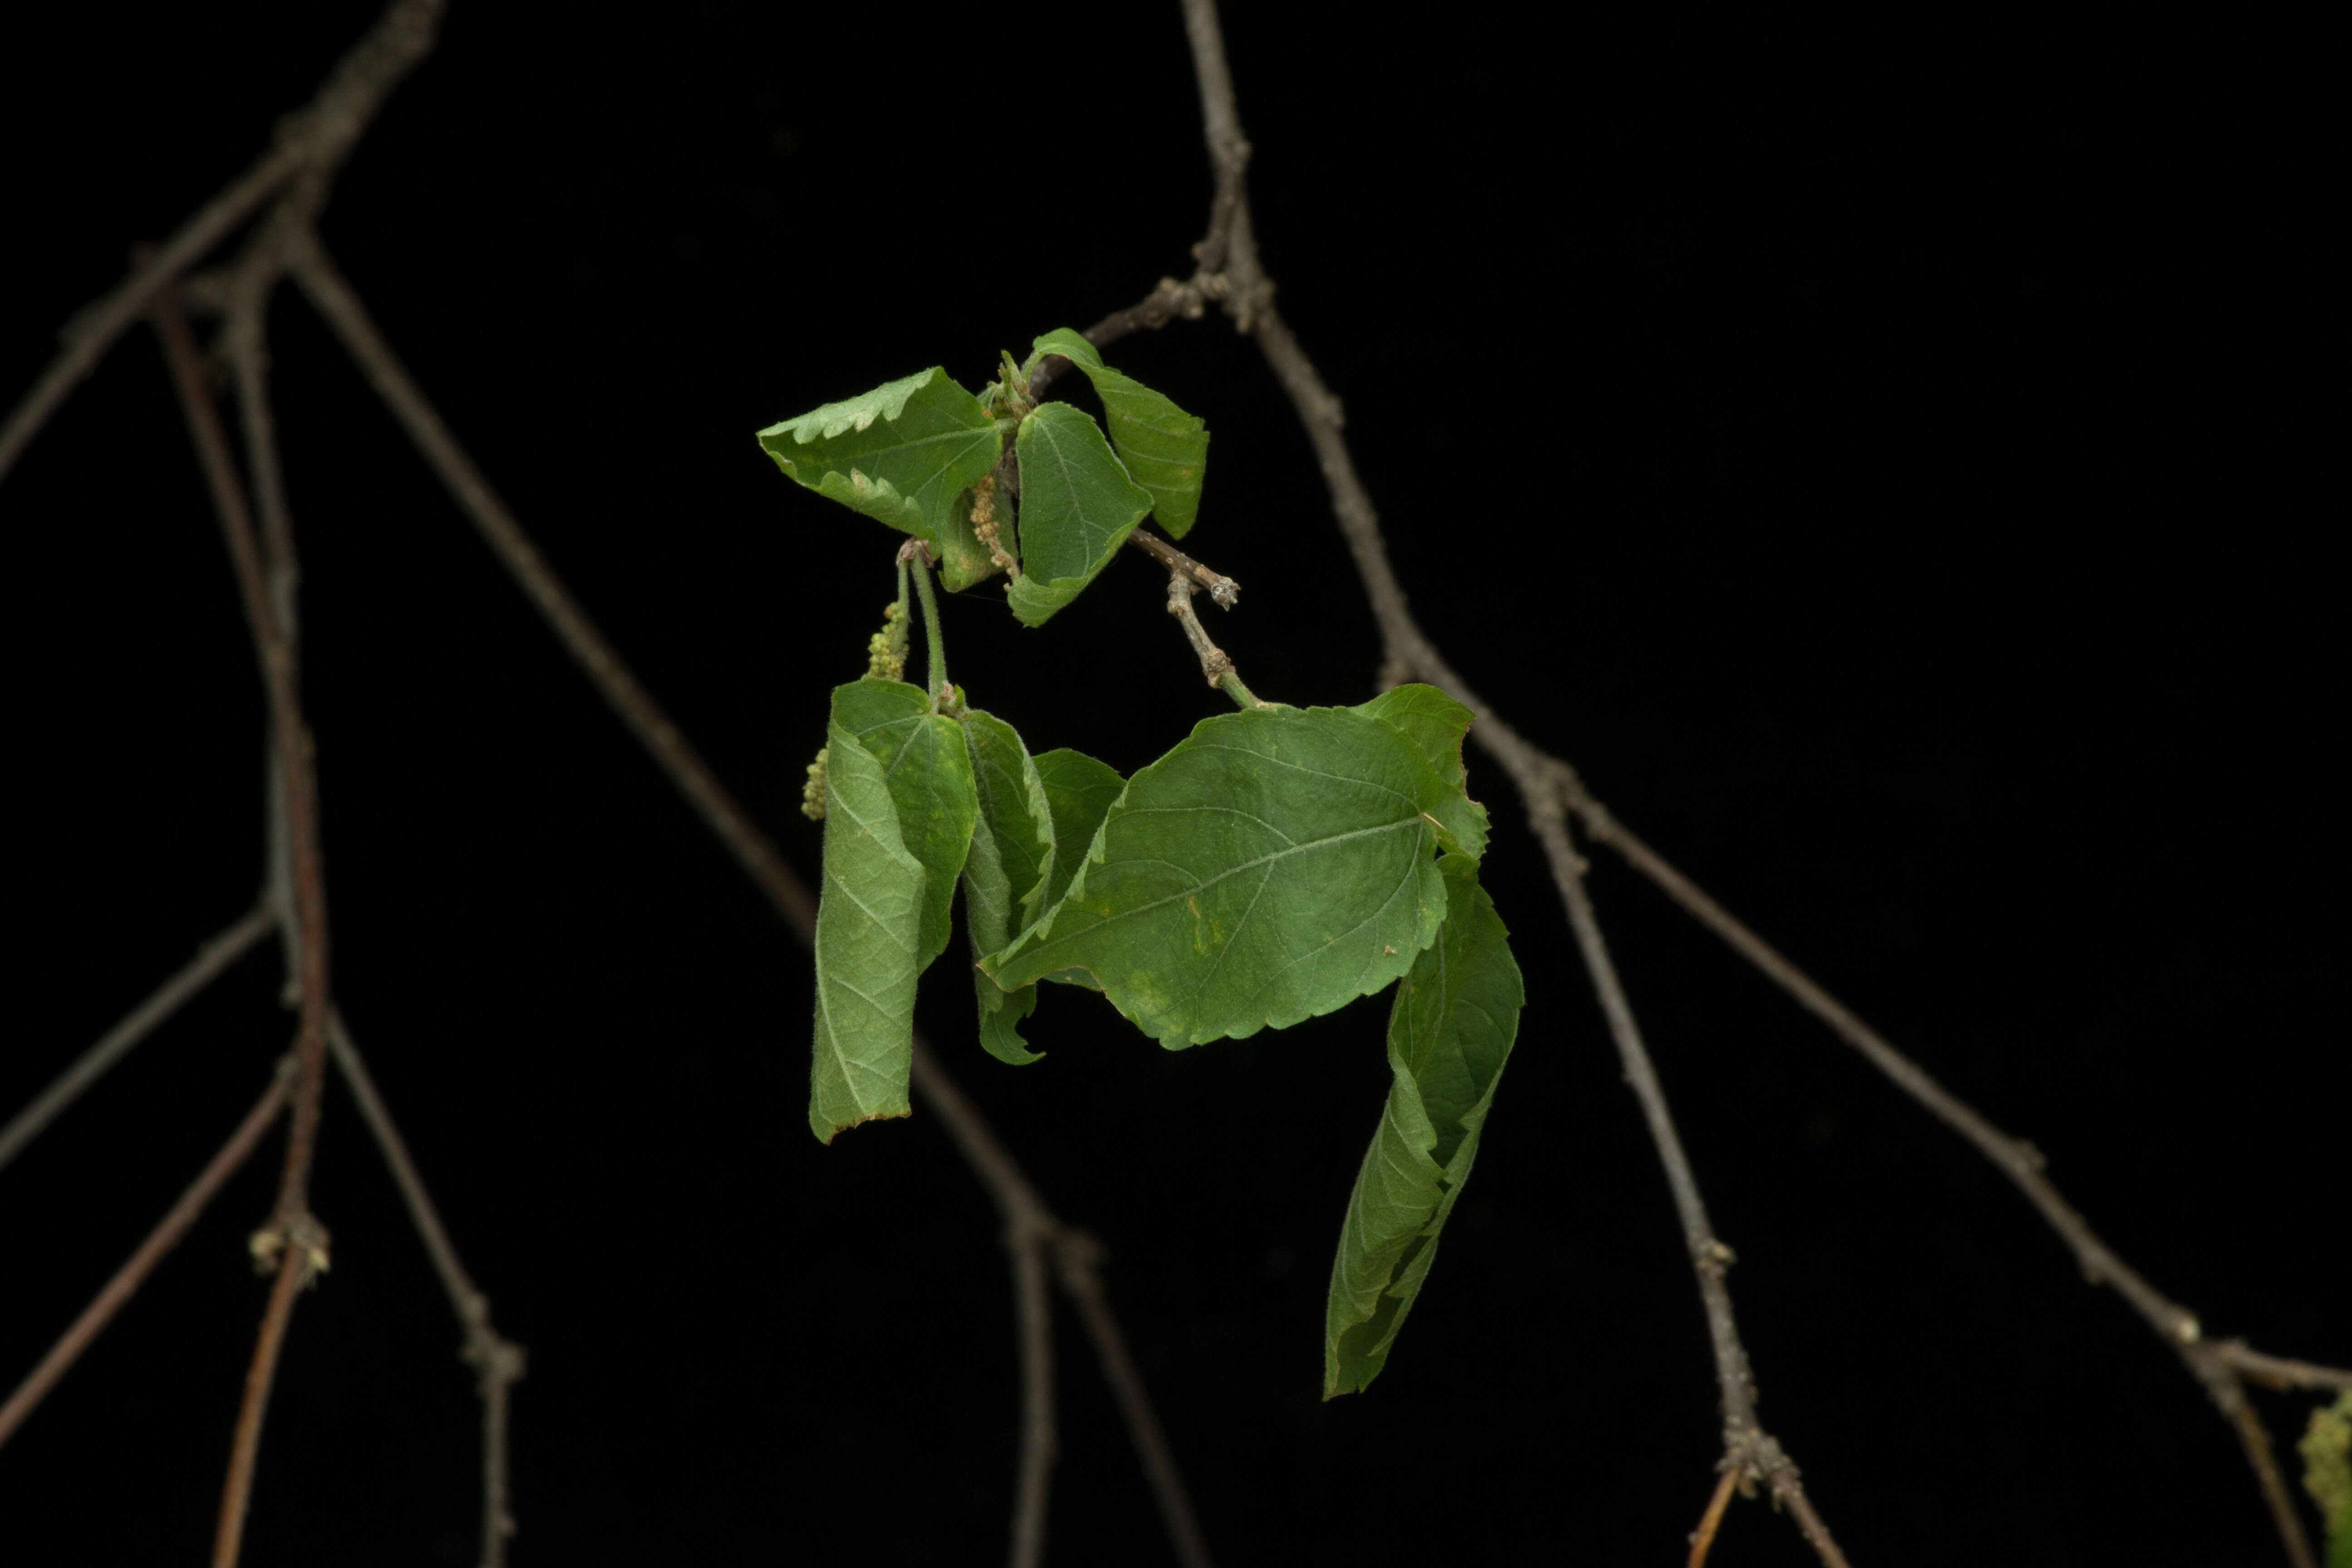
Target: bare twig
{"x":211,"y":959}
{"x":1232,"y":274}
{"x":498,"y":1362}
{"x":1703,"y":1538}
{"x":161,"y":1241}
{"x":2276,"y":1371}
{"x":1217,"y":668}
{"x":1223,"y":590}
{"x":1033,"y":1309}
{"x":1080,"y":1259}
{"x":2216,"y":1366}
{"x":293,"y":1238}
{"x":244,"y":334}
{"x":1164,"y":304}
{"x":1751,"y":1452}
{"x":290,"y":735}
{"x":294,"y":1270}
{"x":313,"y":140}
{"x":1023,"y":1213}
{"x":326,"y":290}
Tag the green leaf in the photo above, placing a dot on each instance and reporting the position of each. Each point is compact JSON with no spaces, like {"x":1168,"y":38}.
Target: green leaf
{"x":1004,"y":880}
{"x":1165,"y":448}
{"x":927,"y":769}
{"x":1436,"y":723}
{"x":901,"y":454}
{"x":963,"y":558}
{"x":1077,"y":506}
{"x":1275,"y":864}
{"x":1080,"y":791}
{"x":867,"y":918}
{"x":1450,"y":1031}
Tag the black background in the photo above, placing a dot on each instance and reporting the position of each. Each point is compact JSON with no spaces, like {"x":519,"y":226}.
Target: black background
{"x":1890,"y":477}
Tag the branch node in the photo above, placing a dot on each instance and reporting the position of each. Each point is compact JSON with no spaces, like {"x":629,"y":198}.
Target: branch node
{"x":301,"y":1231}
{"x":1217,"y":668}
{"x":1224,"y":592}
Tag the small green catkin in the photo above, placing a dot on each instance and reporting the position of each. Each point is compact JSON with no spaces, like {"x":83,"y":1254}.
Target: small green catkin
{"x":813,"y":793}
{"x":885,"y":651}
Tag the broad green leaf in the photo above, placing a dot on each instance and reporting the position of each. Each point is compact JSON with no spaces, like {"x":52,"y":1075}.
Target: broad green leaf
{"x":1077,"y":506}
{"x":1004,"y":880}
{"x":1436,"y":723}
{"x":1080,"y":791}
{"x":1165,"y":448}
{"x":1275,"y":864}
{"x":867,"y":918}
{"x":1450,"y":1031}
{"x":901,"y":454}
{"x":928,"y":771}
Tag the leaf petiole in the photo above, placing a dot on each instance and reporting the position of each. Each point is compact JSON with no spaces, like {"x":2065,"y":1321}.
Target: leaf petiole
{"x":936,"y":670}
{"x":1229,"y":683}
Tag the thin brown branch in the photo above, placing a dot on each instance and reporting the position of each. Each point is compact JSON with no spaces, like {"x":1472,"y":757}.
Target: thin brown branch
{"x":1223,"y":590}
{"x":1239,"y":281}
{"x":1753,"y":1454}
{"x":1164,"y":304}
{"x":1220,"y":123}
{"x":2255,"y":1441}
{"x":1229,"y":255}
{"x":294,"y":1239}
{"x":1034,"y":1311}
{"x":2216,"y":1366}
{"x":1017,"y":1203}
{"x":1080,"y":1259}
{"x":343,"y":312}
{"x":1217,"y":668}
{"x":133,"y":1273}
{"x":313,"y":140}
{"x":2277,"y":1371}
{"x":1703,"y":1538}
{"x":294,"y":1270}
{"x":211,"y":959}
{"x":497,"y":1361}
{"x":289,"y":736}
{"x":243,"y":335}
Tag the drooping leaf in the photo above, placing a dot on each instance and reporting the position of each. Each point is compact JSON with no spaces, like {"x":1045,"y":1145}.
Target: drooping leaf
{"x":1436,"y":723}
{"x":1077,"y":506}
{"x":900,"y":453}
{"x":1450,"y":1031}
{"x":963,"y":558}
{"x":868,"y":916}
{"x":1004,"y":880}
{"x":928,"y":768}
{"x":1165,"y":448}
{"x":1080,"y":791}
{"x":1275,"y":864}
